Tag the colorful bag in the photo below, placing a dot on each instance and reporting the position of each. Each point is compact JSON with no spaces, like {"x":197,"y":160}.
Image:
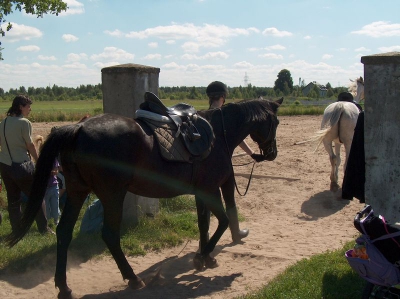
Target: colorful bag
{"x":376,"y":269}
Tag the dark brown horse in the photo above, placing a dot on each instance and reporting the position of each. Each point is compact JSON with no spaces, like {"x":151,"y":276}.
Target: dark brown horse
{"x":110,"y":155}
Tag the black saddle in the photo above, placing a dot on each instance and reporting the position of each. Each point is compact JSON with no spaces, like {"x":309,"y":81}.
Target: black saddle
{"x":194,"y":130}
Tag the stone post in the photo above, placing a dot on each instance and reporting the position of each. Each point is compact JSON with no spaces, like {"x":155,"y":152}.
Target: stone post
{"x":123,"y":91}
{"x":381,"y":129}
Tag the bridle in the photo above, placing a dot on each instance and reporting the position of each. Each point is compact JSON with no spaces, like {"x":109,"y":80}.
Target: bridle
{"x":269,"y":151}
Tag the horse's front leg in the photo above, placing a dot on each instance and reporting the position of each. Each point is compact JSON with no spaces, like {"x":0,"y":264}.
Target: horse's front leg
{"x":213,"y":203}
{"x":64,"y":236}
{"x":113,"y":207}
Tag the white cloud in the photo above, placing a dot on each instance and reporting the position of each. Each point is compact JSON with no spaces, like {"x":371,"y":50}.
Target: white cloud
{"x":74,"y":8}
{"x":73,"y":57}
{"x":389,"y":49}
{"x":153,"y":45}
{"x":171,"y":65}
{"x":275,"y":47}
{"x":327,"y":56}
{"x":362,"y":49}
{"x":209,"y":55}
{"x":206,"y":36}
{"x":152,"y":57}
{"x":271,"y":56}
{"x":112,"y":53}
{"x":50,"y":58}
{"x":243,"y":65}
{"x":272,"y":31}
{"x":379,"y":29}
{"x":75,"y":65}
{"x":30,"y":48}
{"x":307,"y":37}
{"x":116,"y":33}
{"x":20,"y":32}
{"x":69,"y":38}
{"x":171,"y":42}
{"x":191,"y":47}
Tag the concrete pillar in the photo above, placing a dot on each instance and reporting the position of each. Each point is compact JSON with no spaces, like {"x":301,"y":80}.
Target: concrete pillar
{"x":381,"y":133}
{"x":123,"y":91}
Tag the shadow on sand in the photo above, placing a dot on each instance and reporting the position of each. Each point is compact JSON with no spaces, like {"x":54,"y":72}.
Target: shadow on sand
{"x":321,"y":205}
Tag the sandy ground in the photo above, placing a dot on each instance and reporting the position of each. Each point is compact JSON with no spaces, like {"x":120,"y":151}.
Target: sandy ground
{"x":289,"y":210}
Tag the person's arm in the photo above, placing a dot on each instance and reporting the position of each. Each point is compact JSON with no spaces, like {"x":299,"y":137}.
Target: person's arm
{"x":32,"y":151}
{"x":244,"y":146}
{"x":256,"y":157}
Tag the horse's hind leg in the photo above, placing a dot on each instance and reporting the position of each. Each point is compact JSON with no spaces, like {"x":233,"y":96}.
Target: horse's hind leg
{"x":334,"y":164}
{"x":113,"y":207}
{"x":65,"y":229}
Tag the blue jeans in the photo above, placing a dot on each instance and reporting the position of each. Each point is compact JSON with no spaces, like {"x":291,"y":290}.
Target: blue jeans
{"x":51,"y":200}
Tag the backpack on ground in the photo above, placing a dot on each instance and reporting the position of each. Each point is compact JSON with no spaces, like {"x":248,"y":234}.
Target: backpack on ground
{"x":375,"y":266}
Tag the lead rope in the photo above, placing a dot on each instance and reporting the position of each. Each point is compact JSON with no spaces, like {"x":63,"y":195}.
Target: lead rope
{"x":233,"y":171}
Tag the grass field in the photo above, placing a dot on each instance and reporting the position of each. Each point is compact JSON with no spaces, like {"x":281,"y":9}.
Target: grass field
{"x":53,"y":111}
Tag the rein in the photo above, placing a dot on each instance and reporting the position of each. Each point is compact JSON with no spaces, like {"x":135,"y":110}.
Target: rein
{"x":233,"y":171}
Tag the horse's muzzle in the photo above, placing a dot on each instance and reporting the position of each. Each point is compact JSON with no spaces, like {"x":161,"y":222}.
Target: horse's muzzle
{"x":270,"y":153}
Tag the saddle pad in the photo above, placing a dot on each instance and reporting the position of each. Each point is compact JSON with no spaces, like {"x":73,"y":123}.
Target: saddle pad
{"x":171,"y":148}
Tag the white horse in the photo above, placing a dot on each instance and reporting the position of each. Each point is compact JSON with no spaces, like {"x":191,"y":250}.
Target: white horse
{"x":337,"y":127}
{"x":357,"y":89}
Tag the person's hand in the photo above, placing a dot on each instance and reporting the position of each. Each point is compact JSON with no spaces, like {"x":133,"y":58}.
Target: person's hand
{"x":257,"y":157}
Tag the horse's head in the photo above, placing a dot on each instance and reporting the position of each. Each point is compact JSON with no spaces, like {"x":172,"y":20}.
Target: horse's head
{"x":356,"y":88}
{"x":264,"y":133}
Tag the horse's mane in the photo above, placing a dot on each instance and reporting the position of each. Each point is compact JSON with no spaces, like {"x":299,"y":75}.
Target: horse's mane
{"x":256,"y":109}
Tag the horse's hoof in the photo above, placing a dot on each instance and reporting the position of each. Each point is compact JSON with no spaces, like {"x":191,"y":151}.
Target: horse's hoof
{"x":136,"y":283}
{"x":334,"y":187}
{"x":199,"y":262}
{"x":211,"y":262}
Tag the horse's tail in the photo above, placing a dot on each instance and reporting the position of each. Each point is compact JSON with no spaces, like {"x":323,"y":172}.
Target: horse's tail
{"x":58,"y":140}
{"x":329,"y":120}
{"x":318,"y":137}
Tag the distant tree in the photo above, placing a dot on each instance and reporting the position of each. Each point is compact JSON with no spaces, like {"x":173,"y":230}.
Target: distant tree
{"x":329,"y":93}
{"x":328,"y":85}
{"x":34,"y":7}
{"x":236,"y":94}
{"x":193,"y":94}
{"x":316,"y":90}
{"x":284,"y":76}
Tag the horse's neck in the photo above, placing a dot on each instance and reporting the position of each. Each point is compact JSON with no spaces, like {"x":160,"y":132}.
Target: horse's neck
{"x":227,"y":123}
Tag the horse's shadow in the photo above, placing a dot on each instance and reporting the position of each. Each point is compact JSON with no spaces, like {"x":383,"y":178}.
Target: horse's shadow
{"x":321,"y":205}
{"x":164,"y":280}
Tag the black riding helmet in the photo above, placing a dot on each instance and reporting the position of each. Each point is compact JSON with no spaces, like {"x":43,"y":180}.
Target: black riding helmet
{"x":215,"y":90}
{"x":345,"y":96}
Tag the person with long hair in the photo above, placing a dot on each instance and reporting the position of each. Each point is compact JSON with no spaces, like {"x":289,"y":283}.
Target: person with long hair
{"x":17,"y":147}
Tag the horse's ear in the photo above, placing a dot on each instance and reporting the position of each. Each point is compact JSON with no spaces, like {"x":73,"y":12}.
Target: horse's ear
{"x":280,"y":101}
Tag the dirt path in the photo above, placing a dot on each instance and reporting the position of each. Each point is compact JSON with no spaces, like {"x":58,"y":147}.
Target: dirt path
{"x":289,"y":210}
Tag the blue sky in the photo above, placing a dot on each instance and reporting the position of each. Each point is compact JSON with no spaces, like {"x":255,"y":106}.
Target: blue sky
{"x":194,"y":42}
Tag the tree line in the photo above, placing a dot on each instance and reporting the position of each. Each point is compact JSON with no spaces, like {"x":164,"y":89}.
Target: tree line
{"x":283,"y":87}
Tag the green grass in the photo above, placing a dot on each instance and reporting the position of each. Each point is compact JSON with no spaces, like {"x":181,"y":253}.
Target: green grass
{"x":326,"y":275}
{"x":176,"y":223}
{"x":55,"y":111}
